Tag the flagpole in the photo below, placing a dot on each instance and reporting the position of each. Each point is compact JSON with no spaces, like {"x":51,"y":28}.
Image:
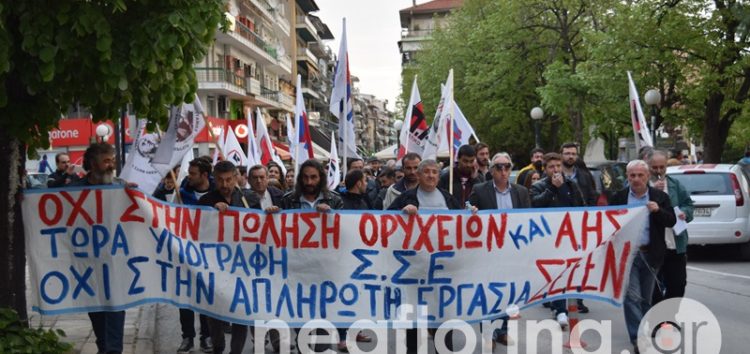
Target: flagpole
{"x":407,"y":120}
{"x":178,"y":198}
{"x":343,"y":108}
{"x":450,"y":137}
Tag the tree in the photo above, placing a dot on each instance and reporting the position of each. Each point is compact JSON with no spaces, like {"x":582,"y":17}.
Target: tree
{"x":101,"y":54}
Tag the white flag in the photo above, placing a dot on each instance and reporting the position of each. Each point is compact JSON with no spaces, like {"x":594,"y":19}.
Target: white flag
{"x":253,"y":150}
{"x":267,"y":151}
{"x":184,"y":166}
{"x":219,"y":146}
{"x":437,"y":132}
{"x":303,"y":145}
{"x":462,"y":131}
{"x":138,"y":168}
{"x":185,"y":123}
{"x":233,"y":150}
{"x":334,"y":175}
{"x":341,"y":100}
{"x":640,"y":129}
{"x":414,"y":131}
{"x":291,"y":135}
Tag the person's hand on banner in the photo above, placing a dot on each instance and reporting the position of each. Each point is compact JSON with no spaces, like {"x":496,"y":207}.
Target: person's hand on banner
{"x":652,"y":207}
{"x":221,"y":206}
{"x":410,"y":209}
{"x":272,"y":209}
{"x":323,"y":208}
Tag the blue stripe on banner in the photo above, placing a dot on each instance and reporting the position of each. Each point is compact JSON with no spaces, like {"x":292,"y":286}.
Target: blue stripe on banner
{"x":292,"y":324}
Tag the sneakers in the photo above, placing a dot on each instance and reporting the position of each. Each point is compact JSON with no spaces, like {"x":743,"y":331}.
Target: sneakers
{"x":206,"y":345}
{"x":582,"y":308}
{"x":562,"y":319}
{"x":362,"y":338}
{"x":185,"y":346}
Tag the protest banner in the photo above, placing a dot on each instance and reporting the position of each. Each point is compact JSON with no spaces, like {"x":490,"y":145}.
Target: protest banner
{"x":110,"y":248}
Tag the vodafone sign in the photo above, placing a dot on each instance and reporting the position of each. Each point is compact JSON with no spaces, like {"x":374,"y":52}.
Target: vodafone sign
{"x":79,"y":132}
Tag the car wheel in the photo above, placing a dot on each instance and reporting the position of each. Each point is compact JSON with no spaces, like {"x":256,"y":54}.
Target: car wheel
{"x":745,"y":251}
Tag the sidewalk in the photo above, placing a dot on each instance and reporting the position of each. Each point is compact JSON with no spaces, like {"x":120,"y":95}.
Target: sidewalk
{"x":140,"y":324}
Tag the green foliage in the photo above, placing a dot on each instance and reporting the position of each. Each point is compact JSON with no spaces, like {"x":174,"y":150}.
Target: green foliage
{"x":16,"y":337}
{"x":571,"y":56}
{"x":101,"y":54}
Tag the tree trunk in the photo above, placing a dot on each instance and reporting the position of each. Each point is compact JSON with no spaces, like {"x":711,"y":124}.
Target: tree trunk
{"x":715,"y":129}
{"x":12,"y":246}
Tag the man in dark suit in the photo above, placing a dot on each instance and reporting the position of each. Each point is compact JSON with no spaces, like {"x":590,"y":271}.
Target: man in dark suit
{"x":499,"y":193}
{"x":651,"y":246}
{"x":258,"y":179}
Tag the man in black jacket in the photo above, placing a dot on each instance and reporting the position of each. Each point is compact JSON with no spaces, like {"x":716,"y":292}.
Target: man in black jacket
{"x":64,"y":174}
{"x":311,"y":190}
{"x":465,"y":175}
{"x":355,"y":197}
{"x":555,"y":191}
{"x":651,"y":246}
{"x":258,"y":180}
{"x":228,"y":194}
{"x":581,"y":176}
{"x":428,"y":196}
{"x":499,"y":193}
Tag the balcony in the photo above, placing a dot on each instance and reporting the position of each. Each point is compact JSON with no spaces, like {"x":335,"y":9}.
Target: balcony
{"x":253,"y":86}
{"x":306,"y":55}
{"x":250,"y":42}
{"x":286,"y":101}
{"x":280,"y":22}
{"x":221,"y":81}
{"x":259,"y":6}
{"x":306,"y":30}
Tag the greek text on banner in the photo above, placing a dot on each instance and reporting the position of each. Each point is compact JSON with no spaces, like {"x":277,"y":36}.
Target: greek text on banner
{"x":108,"y":248}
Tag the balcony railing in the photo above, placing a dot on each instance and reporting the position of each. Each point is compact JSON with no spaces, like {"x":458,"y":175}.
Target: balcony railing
{"x":406,"y":33}
{"x":269,"y":94}
{"x":255,"y":39}
{"x":205,"y":74}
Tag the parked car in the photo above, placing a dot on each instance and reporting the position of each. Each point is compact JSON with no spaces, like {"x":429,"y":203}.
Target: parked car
{"x":609,"y":177}
{"x":721,"y":198}
{"x":36,"y":180}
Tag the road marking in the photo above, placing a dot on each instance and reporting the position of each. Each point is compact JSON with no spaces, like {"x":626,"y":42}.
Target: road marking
{"x":718,"y":273}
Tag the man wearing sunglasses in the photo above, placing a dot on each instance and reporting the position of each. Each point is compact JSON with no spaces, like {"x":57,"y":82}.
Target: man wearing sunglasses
{"x":499,"y":193}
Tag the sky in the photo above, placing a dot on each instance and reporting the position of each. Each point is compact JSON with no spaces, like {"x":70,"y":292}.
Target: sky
{"x":373,"y":31}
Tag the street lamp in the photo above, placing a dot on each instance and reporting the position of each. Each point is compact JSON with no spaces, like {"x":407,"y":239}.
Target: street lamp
{"x":537,"y":113}
{"x":397,"y":124}
{"x":102,"y":131}
{"x":652,"y":98}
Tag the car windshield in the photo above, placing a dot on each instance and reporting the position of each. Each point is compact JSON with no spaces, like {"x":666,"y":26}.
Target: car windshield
{"x":706,"y":183}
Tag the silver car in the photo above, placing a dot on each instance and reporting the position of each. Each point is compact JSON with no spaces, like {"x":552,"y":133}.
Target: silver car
{"x":721,"y":197}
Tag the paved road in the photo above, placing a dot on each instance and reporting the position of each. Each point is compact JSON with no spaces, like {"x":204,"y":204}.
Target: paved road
{"x":716,"y":278}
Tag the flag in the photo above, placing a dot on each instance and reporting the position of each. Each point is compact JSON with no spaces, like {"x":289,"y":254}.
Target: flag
{"x":432,"y":143}
{"x":232,"y":150}
{"x":414,"y":131}
{"x":290,"y":135}
{"x":640,"y":129}
{"x":334,"y":175}
{"x":184,"y":166}
{"x":267,"y":151}
{"x":341,"y":100}
{"x":138,"y":168}
{"x":303,"y":141}
{"x":462,"y":131}
{"x":253,"y":150}
{"x":185,"y":122}
{"x":219,"y":146}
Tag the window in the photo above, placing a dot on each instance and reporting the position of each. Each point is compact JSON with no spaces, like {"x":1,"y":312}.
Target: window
{"x":706,"y":183}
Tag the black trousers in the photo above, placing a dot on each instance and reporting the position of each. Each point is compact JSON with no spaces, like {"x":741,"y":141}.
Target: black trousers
{"x":412,"y":339}
{"x":187,"y":322}
{"x":239,"y":335}
{"x":672,"y":277}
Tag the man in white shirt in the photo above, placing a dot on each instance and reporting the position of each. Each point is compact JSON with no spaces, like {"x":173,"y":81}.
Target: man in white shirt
{"x":258,"y":180}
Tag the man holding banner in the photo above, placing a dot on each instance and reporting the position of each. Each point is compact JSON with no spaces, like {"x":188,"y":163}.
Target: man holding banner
{"x":228,"y":194}
{"x":109,"y":326}
{"x":651,"y":244}
{"x":499,"y":193}
{"x":555,"y":191}
{"x":425,"y":196}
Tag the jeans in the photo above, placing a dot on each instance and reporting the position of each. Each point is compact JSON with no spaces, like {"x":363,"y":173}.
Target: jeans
{"x":187,"y":322}
{"x":109,"y":327}
{"x":638,"y":296}
{"x":672,"y":277}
